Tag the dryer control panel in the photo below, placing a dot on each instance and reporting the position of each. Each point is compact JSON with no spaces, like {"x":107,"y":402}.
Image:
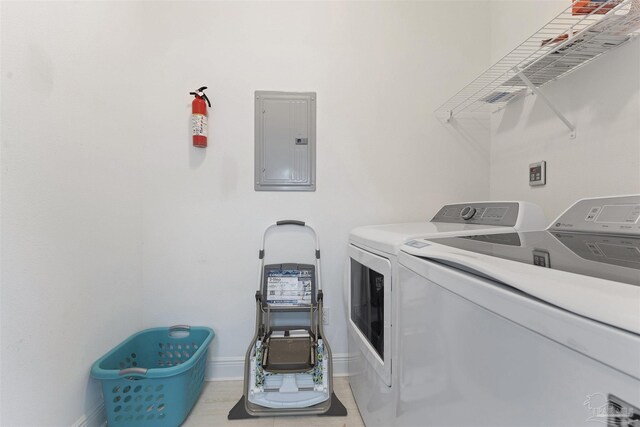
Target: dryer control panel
{"x":609,"y":215}
{"x":482,"y":213}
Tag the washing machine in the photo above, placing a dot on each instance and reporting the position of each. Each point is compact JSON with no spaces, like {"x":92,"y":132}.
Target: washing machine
{"x":371,"y":272}
{"x":525,"y":328}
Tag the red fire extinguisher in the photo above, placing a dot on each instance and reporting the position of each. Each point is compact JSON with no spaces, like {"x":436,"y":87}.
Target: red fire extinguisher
{"x":199,"y":117}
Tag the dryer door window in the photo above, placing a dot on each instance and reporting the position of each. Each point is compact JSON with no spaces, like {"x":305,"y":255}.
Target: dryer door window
{"x":370,"y":300}
{"x":367,"y":304}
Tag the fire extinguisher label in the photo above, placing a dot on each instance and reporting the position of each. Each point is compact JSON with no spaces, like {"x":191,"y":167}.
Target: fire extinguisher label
{"x":199,"y":124}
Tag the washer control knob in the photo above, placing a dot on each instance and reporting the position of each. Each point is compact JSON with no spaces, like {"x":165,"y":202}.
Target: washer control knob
{"x":467,"y":212}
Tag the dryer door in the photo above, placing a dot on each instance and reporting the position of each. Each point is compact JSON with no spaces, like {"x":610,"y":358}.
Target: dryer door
{"x":370,"y":308}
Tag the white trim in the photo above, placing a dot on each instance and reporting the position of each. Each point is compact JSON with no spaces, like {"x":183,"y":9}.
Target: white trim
{"x":341,"y":364}
{"x":96,"y":418}
{"x":232,"y":368}
{"x":224,"y":369}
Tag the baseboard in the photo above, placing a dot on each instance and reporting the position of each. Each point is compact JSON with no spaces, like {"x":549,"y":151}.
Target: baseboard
{"x":225,"y":369}
{"x":96,"y":418}
{"x":232,"y":368}
{"x":340,"y":365}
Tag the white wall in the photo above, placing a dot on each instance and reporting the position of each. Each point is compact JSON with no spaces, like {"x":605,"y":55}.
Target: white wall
{"x":111,"y":221}
{"x":71,"y":203}
{"x":602,"y":99}
{"x":380,"y":69}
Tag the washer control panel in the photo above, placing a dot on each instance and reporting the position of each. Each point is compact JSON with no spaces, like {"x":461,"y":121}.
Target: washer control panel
{"x":611,"y":215}
{"x":481,"y":213}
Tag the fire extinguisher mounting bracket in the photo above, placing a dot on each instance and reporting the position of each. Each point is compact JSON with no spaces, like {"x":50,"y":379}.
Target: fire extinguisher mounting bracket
{"x":200,"y":92}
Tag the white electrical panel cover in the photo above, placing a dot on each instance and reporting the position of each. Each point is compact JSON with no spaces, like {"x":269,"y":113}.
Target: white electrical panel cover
{"x":285,"y":141}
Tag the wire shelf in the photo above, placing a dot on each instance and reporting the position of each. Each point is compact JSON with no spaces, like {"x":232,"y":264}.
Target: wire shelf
{"x":563,"y":45}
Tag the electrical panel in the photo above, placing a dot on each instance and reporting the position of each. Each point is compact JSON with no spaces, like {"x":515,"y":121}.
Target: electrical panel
{"x":285,"y":141}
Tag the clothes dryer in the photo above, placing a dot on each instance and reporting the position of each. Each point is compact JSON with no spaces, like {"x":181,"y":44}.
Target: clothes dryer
{"x":371,"y":275}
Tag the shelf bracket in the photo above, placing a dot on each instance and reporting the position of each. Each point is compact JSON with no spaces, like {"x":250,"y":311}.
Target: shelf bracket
{"x":541,"y":95}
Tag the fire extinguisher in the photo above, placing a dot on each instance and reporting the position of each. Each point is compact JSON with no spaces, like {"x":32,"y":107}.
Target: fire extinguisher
{"x":199,"y":117}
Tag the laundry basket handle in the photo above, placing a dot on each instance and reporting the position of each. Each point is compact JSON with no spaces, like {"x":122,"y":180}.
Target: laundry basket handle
{"x":179,"y":331}
{"x":290,"y":222}
{"x":134,"y":371}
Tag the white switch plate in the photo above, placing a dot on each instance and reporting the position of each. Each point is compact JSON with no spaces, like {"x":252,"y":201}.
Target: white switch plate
{"x":538,"y":173}
{"x":325,"y":315}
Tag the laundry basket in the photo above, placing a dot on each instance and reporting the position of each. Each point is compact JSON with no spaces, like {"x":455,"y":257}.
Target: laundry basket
{"x":154,"y":377}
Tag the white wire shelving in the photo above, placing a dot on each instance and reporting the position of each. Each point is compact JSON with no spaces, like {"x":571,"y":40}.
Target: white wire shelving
{"x":563,"y":45}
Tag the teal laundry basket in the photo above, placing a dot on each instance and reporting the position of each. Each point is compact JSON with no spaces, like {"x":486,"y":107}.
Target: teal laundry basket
{"x":154,"y":377}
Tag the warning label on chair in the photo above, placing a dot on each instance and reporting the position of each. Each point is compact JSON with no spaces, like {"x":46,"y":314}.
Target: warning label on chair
{"x":288,"y":288}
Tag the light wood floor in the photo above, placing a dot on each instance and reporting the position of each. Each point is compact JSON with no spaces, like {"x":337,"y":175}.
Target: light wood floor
{"x":218,"y":397}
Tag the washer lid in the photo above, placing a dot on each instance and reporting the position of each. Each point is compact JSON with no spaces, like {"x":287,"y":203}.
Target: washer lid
{"x":389,"y":237}
{"x":593,"y":275}
{"x":615,"y":258}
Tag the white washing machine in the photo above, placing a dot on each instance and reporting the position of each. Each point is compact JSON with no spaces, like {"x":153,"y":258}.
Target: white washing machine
{"x":528,"y":329}
{"x":371,"y":272}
